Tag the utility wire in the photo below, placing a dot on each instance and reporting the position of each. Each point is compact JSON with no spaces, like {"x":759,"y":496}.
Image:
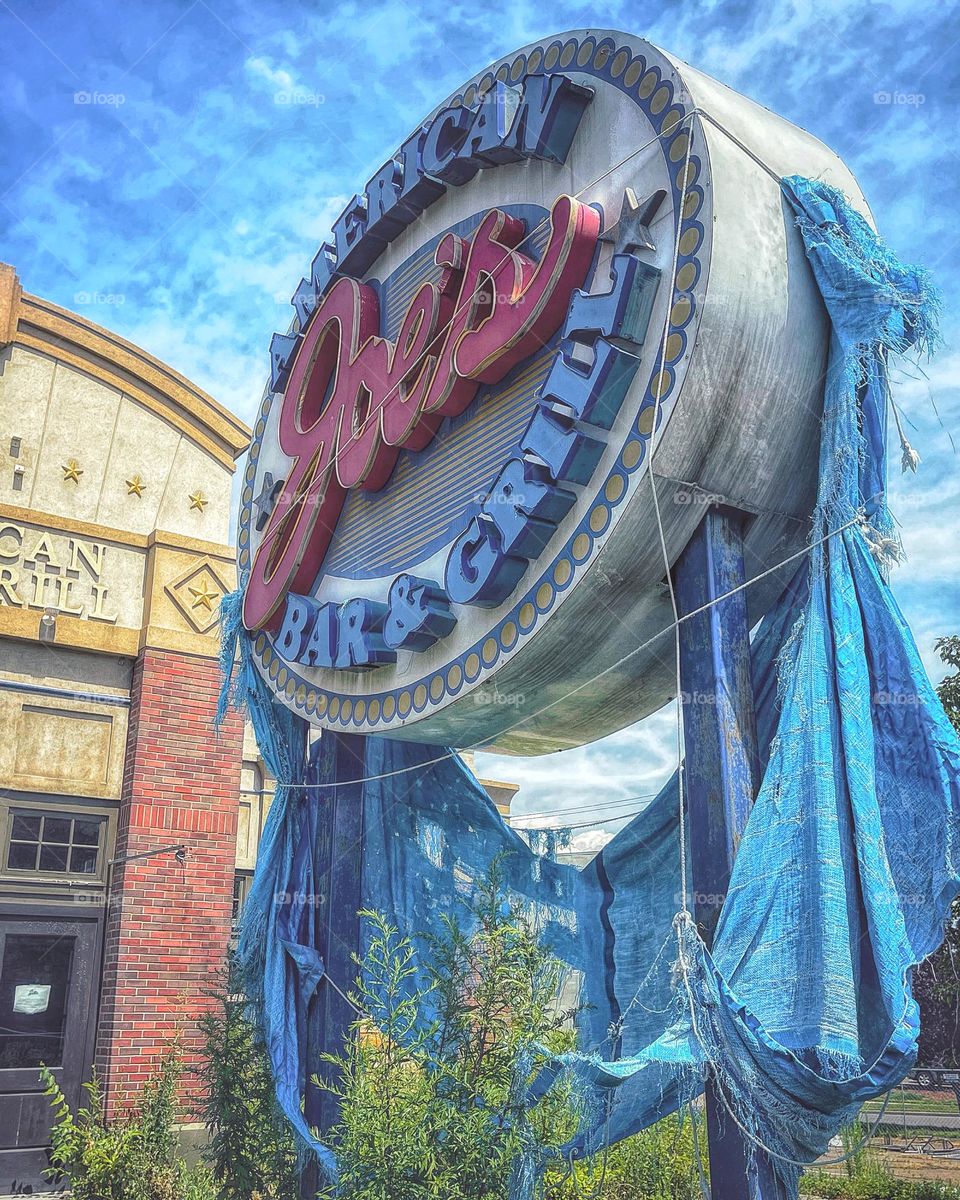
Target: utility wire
{"x":556,"y":812}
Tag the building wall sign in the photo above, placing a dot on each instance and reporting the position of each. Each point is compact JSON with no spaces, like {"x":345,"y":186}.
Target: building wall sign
{"x":448,"y":496}
{"x":43,"y":569}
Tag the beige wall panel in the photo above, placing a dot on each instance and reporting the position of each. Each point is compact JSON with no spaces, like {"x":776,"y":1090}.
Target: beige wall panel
{"x":194,"y":471}
{"x":25,"y":382}
{"x":246,"y":837}
{"x":80,"y":424}
{"x":61,"y":745}
{"x":255,"y":800}
{"x":57,"y":666}
{"x":250,"y":748}
{"x":184,"y":589}
{"x":143,"y":450}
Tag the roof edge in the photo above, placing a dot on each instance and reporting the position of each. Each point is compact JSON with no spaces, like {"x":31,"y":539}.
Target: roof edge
{"x":43,"y":326}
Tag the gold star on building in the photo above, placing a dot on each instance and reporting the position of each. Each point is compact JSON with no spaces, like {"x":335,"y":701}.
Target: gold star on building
{"x":198,"y":500}
{"x":71,"y":471}
{"x":135,"y":486}
{"x":203,"y":597}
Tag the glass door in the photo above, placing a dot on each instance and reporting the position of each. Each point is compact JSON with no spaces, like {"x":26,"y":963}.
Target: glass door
{"x":47,"y":999}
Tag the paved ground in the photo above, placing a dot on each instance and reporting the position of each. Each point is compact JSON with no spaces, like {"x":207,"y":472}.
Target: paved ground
{"x":917,"y":1118}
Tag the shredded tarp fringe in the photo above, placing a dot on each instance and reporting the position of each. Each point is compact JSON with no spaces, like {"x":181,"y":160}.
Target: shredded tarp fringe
{"x":844,"y":877}
{"x":277,"y":956}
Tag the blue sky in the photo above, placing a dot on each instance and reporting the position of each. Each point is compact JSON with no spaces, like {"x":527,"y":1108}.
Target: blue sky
{"x":169,"y":168}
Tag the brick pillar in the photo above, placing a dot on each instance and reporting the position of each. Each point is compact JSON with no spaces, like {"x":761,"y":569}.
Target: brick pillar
{"x":168,"y":926}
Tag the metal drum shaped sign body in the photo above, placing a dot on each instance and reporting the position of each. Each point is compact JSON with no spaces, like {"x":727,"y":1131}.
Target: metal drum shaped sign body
{"x":447,"y":526}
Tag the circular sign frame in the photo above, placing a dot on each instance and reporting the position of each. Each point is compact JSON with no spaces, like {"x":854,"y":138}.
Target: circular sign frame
{"x":471,"y":685}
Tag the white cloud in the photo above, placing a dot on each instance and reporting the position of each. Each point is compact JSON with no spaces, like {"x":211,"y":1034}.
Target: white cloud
{"x":612,"y":777}
{"x":590,"y":842}
{"x":277,"y":77}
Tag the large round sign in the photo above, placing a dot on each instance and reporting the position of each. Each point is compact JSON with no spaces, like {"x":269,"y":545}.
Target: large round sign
{"x":576,"y":280}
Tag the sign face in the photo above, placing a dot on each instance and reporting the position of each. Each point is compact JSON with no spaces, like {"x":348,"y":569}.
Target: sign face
{"x":461,"y":411}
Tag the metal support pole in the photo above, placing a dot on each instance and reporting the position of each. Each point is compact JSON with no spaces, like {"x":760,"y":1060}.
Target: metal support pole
{"x":341,"y":830}
{"x":721,"y":778}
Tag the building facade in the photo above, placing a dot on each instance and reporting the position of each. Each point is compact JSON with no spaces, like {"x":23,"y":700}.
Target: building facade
{"x":119,"y":803}
{"x":129,"y":827}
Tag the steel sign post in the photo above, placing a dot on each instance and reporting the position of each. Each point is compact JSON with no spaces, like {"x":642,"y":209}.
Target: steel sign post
{"x":721,"y":776}
{"x":344,"y":818}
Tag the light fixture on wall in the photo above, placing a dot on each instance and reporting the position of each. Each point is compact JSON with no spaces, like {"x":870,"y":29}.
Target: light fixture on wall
{"x":19,"y":469}
{"x":178,"y":850}
{"x":48,"y":625}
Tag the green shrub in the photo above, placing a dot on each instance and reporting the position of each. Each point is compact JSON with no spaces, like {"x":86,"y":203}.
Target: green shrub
{"x":864,"y":1175}
{"x":869,"y":1179}
{"x":657,"y":1164}
{"x":131,"y":1158}
{"x":250,"y":1148}
{"x":434,"y":1109}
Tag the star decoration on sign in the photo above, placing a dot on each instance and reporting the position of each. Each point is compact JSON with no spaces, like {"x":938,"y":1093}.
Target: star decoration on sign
{"x":198,"y":500}
{"x":135,"y":486}
{"x":203,"y":597}
{"x":266,"y":501}
{"x":71,"y":471}
{"x":631,"y":232}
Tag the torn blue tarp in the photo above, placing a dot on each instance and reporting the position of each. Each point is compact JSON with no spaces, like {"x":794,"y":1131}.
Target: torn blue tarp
{"x":845,"y":873}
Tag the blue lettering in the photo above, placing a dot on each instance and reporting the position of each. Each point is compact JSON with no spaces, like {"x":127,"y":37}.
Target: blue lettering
{"x":360,"y":636}
{"x":304,"y":301}
{"x":357,"y":248}
{"x":283,"y":347}
{"x":478,"y":570}
{"x":441,"y":146}
{"x":538,"y":120}
{"x":419,"y":614}
{"x":495,"y":114}
{"x":526,"y":507}
{"x":309,"y":632}
{"x":418,"y":191}
{"x":321,"y":646}
{"x":349,"y":226}
{"x":569,"y":453}
{"x":547,"y":117}
{"x":323,"y":268}
{"x":386,"y":216}
{"x":594,"y":393}
{"x":297,"y":616}
{"x":624,"y":311}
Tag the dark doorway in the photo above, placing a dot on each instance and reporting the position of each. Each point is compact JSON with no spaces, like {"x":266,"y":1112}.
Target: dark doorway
{"x":47,"y":1010}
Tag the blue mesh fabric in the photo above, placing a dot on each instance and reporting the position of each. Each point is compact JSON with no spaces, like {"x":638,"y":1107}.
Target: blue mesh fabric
{"x":845,"y":873}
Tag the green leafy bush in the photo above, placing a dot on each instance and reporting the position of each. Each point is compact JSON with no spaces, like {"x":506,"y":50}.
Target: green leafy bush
{"x":432,"y":1106}
{"x":250,"y":1149}
{"x":866,"y":1177}
{"x":658,"y":1164}
{"x":131,"y":1158}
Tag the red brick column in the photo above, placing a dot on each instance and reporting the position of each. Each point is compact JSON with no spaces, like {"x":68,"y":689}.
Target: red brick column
{"x":168,"y":925}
